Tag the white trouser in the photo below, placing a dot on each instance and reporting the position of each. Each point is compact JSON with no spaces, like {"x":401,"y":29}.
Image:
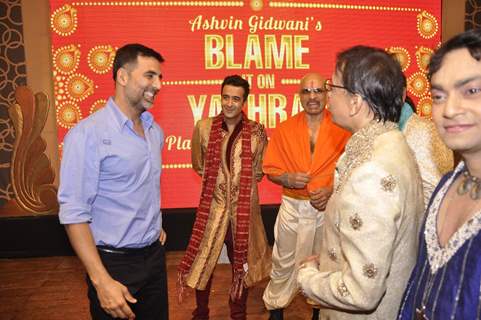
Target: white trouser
{"x":297,"y":235}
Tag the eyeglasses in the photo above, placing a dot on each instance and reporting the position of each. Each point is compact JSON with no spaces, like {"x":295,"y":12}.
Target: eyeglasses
{"x":328,"y":86}
{"x":316,"y":91}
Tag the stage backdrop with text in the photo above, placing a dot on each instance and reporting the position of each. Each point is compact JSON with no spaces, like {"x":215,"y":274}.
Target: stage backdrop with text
{"x":270,"y":43}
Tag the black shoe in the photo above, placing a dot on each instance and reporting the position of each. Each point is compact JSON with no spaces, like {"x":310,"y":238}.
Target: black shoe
{"x":276,"y":314}
{"x":315,"y":314}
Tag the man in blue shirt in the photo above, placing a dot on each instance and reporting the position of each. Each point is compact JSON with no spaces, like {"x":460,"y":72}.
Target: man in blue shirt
{"x":446,"y":280}
{"x":109,"y":194}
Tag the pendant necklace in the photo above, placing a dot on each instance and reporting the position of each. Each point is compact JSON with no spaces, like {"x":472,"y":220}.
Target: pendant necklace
{"x":470,"y":184}
{"x":421,"y":311}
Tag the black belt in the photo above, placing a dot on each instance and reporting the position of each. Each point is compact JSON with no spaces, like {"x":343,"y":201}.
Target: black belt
{"x":128,"y":251}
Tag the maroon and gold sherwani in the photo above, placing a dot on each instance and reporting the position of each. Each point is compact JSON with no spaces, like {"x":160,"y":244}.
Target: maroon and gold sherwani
{"x":223,"y":208}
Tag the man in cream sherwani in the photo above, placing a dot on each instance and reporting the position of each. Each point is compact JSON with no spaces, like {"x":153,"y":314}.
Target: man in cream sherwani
{"x":370,"y":234}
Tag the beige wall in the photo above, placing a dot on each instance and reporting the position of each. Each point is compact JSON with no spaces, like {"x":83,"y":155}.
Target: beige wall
{"x":36,"y":33}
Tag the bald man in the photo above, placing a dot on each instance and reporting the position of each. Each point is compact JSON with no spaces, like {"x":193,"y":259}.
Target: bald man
{"x":301,"y":157}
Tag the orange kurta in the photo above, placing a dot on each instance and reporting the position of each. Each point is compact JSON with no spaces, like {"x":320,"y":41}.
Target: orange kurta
{"x":289,"y":151}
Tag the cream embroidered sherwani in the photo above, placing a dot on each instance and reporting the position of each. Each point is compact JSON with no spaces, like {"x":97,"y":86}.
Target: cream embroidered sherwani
{"x":434,"y":158}
{"x":370,"y":233}
{"x":224,"y":206}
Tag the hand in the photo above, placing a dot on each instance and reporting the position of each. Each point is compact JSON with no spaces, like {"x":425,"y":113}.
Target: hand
{"x":113,"y":297}
{"x":163,"y":236}
{"x":296,"y":180}
{"x":319,"y":198}
{"x":310,"y":259}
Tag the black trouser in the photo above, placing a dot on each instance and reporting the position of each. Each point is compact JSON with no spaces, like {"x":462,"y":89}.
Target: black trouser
{"x":143,"y":272}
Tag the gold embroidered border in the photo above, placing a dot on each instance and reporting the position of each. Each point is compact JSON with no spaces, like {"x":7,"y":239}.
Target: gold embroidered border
{"x":290,"y":81}
{"x":191,"y":82}
{"x":177,"y":166}
{"x":310,"y":5}
{"x":161,"y":3}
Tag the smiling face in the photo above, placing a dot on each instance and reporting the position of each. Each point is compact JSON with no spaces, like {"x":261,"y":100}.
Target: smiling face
{"x":232,"y":102}
{"x":143,"y":81}
{"x":456,"y":94}
{"x":312,"y":94}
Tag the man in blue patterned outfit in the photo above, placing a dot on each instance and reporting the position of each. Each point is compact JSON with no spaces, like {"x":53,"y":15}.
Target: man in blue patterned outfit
{"x":446,"y":280}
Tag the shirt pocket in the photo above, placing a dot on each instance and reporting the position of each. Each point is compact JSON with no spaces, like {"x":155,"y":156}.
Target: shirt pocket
{"x":121,"y":161}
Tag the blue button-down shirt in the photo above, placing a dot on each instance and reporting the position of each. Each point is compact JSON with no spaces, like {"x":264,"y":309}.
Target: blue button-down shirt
{"x":110,"y":178}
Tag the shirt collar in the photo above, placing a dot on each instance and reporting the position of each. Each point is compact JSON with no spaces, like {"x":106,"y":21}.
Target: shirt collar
{"x":147,"y":119}
{"x":406,"y":113}
{"x":121,"y":119}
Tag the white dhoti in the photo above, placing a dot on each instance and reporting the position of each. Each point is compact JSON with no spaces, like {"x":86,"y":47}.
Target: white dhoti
{"x":297,"y":236}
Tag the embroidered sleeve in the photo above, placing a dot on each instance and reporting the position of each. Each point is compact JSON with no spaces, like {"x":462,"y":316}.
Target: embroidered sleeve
{"x":369,"y":211}
{"x":433,"y":157}
{"x":196,"y":151}
{"x":261,"y":144}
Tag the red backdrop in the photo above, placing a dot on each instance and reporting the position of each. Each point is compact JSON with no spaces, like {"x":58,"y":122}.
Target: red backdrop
{"x":270,"y":43}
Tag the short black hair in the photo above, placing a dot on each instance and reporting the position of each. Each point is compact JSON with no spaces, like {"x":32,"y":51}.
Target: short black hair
{"x":237,"y":81}
{"x":376,"y":76}
{"x":129,"y":53}
{"x":470,"y":40}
